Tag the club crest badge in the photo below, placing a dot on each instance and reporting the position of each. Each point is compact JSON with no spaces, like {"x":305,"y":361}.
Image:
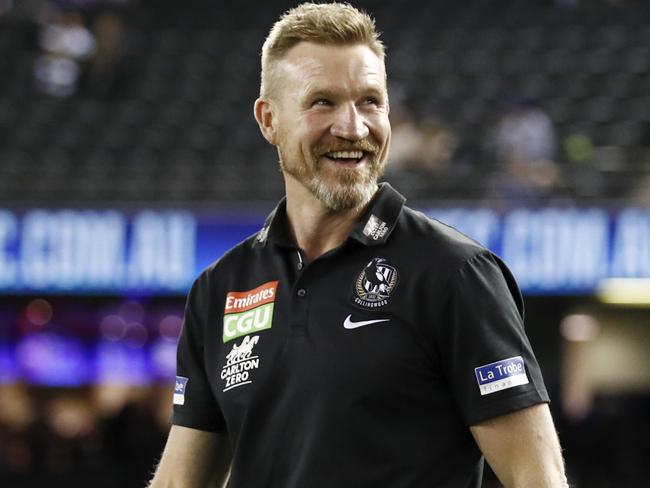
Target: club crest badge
{"x":375,"y":284}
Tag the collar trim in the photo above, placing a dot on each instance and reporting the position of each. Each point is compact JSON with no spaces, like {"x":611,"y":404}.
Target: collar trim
{"x":372,"y":229}
{"x":379,"y":221}
{"x":270,"y":224}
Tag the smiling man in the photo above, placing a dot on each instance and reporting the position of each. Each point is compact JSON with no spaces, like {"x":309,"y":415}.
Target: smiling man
{"x":328,"y":117}
{"x":351,"y":342}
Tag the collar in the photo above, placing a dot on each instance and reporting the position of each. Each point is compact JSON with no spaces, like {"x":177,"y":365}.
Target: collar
{"x":380,"y":218}
{"x":275,"y":228}
{"x":373,"y":228}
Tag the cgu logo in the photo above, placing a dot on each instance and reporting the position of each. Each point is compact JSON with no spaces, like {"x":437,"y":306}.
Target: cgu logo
{"x":239,"y":324}
{"x":249,"y":311}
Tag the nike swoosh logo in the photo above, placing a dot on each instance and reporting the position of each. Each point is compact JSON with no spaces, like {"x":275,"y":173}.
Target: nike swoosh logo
{"x":348,"y":324}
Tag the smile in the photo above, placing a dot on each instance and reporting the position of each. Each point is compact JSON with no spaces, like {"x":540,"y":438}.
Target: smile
{"x":346,"y":157}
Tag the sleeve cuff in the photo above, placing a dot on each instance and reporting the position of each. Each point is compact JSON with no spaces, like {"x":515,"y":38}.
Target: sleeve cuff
{"x":504,"y":407}
{"x":196,"y":422}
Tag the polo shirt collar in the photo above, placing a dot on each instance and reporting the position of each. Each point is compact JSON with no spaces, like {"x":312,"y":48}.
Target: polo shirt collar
{"x":374,"y":227}
{"x":276,"y":228}
{"x":380,"y":218}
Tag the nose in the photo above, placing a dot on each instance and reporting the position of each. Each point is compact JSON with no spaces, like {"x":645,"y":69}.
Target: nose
{"x":349,"y":124}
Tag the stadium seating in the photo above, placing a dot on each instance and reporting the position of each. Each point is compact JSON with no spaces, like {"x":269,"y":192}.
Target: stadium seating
{"x":181,"y":130}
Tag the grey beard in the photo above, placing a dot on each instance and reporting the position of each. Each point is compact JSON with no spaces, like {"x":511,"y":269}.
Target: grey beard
{"x":342,"y":198}
{"x":336,"y":197}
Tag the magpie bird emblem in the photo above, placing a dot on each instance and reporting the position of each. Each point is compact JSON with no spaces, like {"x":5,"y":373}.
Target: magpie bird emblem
{"x":375,"y":283}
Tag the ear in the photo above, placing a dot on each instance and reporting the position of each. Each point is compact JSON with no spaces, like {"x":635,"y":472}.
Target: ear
{"x":265,"y":117}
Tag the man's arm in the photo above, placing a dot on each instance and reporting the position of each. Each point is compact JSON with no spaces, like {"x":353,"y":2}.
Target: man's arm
{"x":193,"y":458}
{"x":523,"y":449}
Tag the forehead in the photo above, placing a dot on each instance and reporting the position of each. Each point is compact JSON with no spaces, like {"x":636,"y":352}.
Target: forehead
{"x":312,"y":67}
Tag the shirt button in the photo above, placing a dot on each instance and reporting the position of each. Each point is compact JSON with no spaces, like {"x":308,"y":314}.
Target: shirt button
{"x":302,"y":292}
{"x":299,"y":265}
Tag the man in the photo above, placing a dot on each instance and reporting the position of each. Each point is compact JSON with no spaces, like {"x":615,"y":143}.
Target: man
{"x":351,"y":342}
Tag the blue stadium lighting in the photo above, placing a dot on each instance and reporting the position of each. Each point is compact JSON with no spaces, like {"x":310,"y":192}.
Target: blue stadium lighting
{"x":39,"y":311}
{"x":170,"y":328}
{"x":550,"y":250}
{"x":52,"y":360}
{"x":8,"y":369}
{"x":136,"y":335}
{"x":117,"y":363}
{"x":163,"y":358}
{"x":113,"y":327}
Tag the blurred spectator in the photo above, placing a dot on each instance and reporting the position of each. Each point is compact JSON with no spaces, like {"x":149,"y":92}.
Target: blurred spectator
{"x":80,"y":438}
{"x":579,"y":148}
{"x":74,"y":454}
{"x":135,"y":434}
{"x":405,"y":140}
{"x":582,"y":174}
{"x":420,"y":155}
{"x":106,"y":69}
{"x":65,"y":44}
{"x":18,"y":457}
{"x":524,"y":146}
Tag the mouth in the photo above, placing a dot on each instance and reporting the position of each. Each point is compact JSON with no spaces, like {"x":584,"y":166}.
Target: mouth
{"x":346,"y":158}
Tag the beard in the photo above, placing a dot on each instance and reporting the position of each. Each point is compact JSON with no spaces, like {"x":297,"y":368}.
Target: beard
{"x":337,"y":188}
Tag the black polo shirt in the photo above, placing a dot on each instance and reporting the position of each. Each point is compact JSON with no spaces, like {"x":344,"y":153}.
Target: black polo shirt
{"x":363,"y":368}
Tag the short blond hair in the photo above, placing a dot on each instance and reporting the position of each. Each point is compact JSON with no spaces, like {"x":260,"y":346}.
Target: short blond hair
{"x":336,"y":24}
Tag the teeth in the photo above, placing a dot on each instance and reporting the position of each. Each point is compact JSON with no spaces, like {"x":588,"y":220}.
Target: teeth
{"x":345,"y":154}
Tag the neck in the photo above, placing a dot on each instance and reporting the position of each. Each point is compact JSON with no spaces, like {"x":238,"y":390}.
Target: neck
{"x":315,"y":228}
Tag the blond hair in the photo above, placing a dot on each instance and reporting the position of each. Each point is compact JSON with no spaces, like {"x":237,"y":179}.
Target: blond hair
{"x":336,"y":24}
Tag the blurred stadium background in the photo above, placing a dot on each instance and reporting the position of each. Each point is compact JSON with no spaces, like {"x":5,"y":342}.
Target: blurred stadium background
{"x":129,"y":160}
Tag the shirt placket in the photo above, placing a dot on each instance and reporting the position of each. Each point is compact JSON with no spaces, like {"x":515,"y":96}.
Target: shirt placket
{"x":299,"y":306}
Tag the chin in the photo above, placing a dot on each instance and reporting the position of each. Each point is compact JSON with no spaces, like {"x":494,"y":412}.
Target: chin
{"x":340,"y":197}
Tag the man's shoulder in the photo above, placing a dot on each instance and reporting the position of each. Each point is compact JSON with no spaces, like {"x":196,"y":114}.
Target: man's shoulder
{"x":232,"y":259}
{"x":437,"y":240}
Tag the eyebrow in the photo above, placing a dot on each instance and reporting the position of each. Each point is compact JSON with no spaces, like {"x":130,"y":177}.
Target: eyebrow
{"x":329,"y":94}
{"x":320,"y":93}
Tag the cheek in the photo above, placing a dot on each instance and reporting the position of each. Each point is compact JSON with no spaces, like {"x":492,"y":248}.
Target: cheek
{"x":379,"y":126}
{"x":385,"y":128}
{"x":387,"y":134}
{"x":383,"y":138}
{"x":313,"y":126}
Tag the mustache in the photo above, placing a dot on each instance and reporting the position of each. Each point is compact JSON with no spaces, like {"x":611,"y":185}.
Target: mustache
{"x":365,"y":145}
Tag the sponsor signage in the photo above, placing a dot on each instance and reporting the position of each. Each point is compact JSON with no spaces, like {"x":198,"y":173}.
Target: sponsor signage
{"x":241,"y":363}
{"x":553,"y":250}
{"x":501,"y":375}
{"x":248,"y":311}
{"x":549,"y":250}
{"x":179,"y":390}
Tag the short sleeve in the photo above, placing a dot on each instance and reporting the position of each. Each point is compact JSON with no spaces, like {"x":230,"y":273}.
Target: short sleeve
{"x":194,"y":402}
{"x":487,"y":358}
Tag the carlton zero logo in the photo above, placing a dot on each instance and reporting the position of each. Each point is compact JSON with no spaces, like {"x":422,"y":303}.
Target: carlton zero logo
{"x":249,"y":311}
{"x":375,"y":228}
{"x":240,"y":363}
{"x":375,"y":284}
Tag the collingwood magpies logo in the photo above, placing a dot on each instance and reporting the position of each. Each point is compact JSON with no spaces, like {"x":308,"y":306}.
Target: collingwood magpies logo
{"x":375,"y":284}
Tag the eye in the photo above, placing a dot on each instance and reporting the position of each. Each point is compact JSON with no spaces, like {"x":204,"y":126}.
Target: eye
{"x":321,"y":102}
{"x":370,"y":101}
